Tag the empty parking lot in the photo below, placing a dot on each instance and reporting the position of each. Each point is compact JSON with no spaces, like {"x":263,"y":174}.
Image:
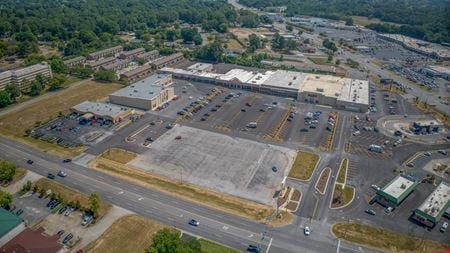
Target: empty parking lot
{"x":227,"y":164}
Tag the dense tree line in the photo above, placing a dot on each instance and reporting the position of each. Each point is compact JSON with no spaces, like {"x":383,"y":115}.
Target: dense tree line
{"x":78,"y":27}
{"x":422,"y":19}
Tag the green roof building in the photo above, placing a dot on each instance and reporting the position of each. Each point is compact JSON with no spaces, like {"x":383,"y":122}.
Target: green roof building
{"x":398,"y":189}
{"x":8,"y":222}
{"x":431,"y":210}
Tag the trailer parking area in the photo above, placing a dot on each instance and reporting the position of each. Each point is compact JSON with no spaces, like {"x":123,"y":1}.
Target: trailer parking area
{"x":240,"y":167}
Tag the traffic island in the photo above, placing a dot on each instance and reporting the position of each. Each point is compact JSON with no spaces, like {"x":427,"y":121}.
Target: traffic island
{"x":304,"y":165}
{"x":384,"y":240}
{"x":343,"y":194}
{"x":322,"y":182}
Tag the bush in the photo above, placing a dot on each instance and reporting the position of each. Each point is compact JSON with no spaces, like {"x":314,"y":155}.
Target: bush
{"x":26,"y":187}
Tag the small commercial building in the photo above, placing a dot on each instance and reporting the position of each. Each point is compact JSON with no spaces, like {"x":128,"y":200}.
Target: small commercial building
{"x":147,"y":94}
{"x":132,"y":54}
{"x":30,"y":241}
{"x":433,"y":208}
{"x":363,"y":49}
{"x":137,"y":73}
{"x":10,"y":226}
{"x":96,"y":65}
{"x":112,"y":51}
{"x":104,"y":111}
{"x":168,"y":60}
{"x":397,"y":190}
{"x":81,"y":60}
{"x":426,"y":127}
{"x":25,"y":76}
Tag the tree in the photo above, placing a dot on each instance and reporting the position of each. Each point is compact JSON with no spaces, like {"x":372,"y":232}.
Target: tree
{"x":278,"y":42}
{"x":198,"y":39}
{"x":291,"y":45}
{"x":5,"y":199}
{"x":36,"y":88}
{"x":5,"y":99}
{"x":254,"y":42}
{"x":57,"y":65}
{"x":211,"y":52}
{"x":348,"y":21}
{"x":168,"y":241}
{"x":13,"y":91}
{"x":329,"y":44}
{"x":330,"y":58}
{"x":338,"y":62}
{"x":57,"y":82}
{"x":105,"y":75}
{"x":290,"y":28}
{"x":94,"y":201}
{"x":7,"y":170}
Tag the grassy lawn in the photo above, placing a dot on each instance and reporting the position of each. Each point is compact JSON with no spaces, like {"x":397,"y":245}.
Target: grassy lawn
{"x":234,"y":44}
{"x":342,"y":171}
{"x":118,"y":155}
{"x":16,"y":123}
{"x":385,"y":240}
{"x":342,"y":197}
{"x":20,"y":173}
{"x":321,"y":61}
{"x":70,"y":194}
{"x":304,"y":165}
{"x":70,"y":80}
{"x":212,"y":247}
{"x":219,"y":201}
{"x":131,"y":234}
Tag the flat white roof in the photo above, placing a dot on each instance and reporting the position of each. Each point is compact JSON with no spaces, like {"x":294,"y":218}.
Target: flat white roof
{"x":398,"y":186}
{"x":420,"y":44}
{"x":103,"y":109}
{"x":437,"y":200}
{"x":343,"y":89}
{"x":440,"y":69}
{"x":200,"y":66}
{"x":30,"y":69}
{"x":145,"y":89}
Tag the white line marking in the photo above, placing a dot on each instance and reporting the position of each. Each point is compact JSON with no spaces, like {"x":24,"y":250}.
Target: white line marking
{"x":270,"y":244}
{"x":338,"y":246}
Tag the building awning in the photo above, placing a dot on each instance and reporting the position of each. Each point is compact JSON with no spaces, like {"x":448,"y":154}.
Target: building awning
{"x":87,"y":116}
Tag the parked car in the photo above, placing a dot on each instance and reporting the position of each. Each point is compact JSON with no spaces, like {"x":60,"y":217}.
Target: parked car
{"x":253,"y":249}
{"x":304,"y":130}
{"x":427,"y":153}
{"x":87,"y":218}
{"x":370,"y":211}
{"x":68,"y":160}
{"x":307,"y":231}
{"x":67,"y":238}
{"x":376,"y":187}
{"x":62,"y":210}
{"x":30,"y":162}
{"x":60,"y":232}
{"x":444,"y":227}
{"x":442,"y":152}
{"x":50,"y":176}
{"x":194,"y":223}
{"x":19,"y":212}
{"x":274,"y":169}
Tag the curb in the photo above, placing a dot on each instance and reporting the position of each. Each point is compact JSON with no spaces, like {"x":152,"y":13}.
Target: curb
{"x":326,"y":184}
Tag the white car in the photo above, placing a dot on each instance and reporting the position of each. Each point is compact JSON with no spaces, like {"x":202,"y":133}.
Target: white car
{"x":62,"y":173}
{"x":307,"y":231}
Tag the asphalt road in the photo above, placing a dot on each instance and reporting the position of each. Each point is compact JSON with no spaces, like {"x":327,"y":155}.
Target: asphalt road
{"x":214,"y":225}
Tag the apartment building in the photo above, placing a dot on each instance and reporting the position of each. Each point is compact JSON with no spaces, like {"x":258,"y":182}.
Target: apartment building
{"x":132,"y":54}
{"x":25,"y":76}
{"x":148,"y":56}
{"x":105,"y":53}
{"x":81,"y":60}
{"x":168,"y":60}
{"x":117,"y":65}
{"x":96,"y":65}
{"x":137,"y":73}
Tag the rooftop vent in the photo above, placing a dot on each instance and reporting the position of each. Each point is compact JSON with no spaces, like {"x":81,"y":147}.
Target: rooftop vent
{"x":319,"y":89}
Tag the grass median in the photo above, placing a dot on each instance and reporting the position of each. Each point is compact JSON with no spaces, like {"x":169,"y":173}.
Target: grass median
{"x":304,"y":165}
{"x":342,"y":171}
{"x":202,"y":196}
{"x":71,"y":195}
{"x":385,"y":240}
{"x":342,"y":195}
{"x":18,"y":122}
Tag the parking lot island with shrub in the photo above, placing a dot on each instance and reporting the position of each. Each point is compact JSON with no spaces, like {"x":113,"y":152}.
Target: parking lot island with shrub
{"x":304,"y":165}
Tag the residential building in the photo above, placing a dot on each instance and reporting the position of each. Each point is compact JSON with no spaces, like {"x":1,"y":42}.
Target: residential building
{"x":137,"y":73}
{"x":25,"y":76}
{"x":75,"y":61}
{"x":168,"y":60}
{"x":112,"y":51}
{"x":104,"y":111}
{"x":96,"y":65}
{"x":132,"y":54}
{"x":148,"y":56}
{"x":117,"y":65}
{"x":147,"y":94}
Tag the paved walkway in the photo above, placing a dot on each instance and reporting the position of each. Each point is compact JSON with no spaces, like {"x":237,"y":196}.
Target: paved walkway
{"x":17,"y":186}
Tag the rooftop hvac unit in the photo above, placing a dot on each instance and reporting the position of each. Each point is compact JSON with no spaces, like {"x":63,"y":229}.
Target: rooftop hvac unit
{"x":290,"y":84}
{"x":135,"y":91}
{"x":319,"y":89}
{"x":294,"y":77}
{"x":337,"y":94}
{"x":317,"y":77}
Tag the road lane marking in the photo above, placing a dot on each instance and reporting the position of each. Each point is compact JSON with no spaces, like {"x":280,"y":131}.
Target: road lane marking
{"x":270,"y":244}
{"x":121,"y":192}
